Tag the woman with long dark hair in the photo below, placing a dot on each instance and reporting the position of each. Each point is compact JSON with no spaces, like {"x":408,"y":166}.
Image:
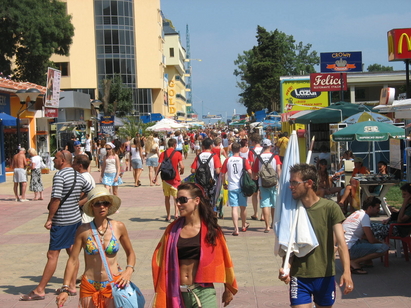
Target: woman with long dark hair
{"x":192,"y":255}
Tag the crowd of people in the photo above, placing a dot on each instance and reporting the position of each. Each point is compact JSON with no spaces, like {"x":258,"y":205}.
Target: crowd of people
{"x":193,"y":247}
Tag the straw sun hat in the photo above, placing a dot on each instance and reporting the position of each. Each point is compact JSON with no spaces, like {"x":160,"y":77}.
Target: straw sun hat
{"x":98,"y":193}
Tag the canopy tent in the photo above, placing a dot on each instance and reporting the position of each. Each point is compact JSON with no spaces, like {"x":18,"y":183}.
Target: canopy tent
{"x":7,"y":119}
{"x":331,"y":114}
{"x":166,"y":125}
{"x":367,"y":116}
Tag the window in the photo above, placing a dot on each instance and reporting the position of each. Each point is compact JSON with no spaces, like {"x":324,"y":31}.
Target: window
{"x":172,"y":52}
{"x":63,"y":67}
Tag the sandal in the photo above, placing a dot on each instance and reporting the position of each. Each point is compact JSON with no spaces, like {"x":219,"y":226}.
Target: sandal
{"x":266,"y":231}
{"x":254,"y":217}
{"x":235,"y":234}
{"x":358,"y":271}
{"x":31,"y":297}
{"x":244,"y":229}
{"x":70,"y":293}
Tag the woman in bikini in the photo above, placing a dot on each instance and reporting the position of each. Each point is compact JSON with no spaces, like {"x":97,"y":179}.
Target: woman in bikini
{"x":93,"y":288}
{"x":192,"y":255}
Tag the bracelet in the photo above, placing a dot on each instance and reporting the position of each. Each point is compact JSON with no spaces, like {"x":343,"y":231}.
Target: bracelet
{"x":66,"y":291}
{"x":132,"y":267}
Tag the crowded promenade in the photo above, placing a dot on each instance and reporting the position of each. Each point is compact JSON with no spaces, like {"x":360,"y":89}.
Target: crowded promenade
{"x":24,"y":243}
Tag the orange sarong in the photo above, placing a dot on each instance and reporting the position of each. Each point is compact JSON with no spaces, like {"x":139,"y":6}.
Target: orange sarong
{"x":99,"y":297}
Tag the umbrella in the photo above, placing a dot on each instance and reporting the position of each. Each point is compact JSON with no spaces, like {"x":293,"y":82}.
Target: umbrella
{"x":330,"y":114}
{"x":7,"y":120}
{"x":292,"y":227}
{"x":367,"y":116}
{"x":165,"y":125}
{"x":369,"y":131}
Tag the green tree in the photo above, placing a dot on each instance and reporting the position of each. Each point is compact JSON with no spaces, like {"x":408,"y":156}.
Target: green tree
{"x":31,"y":31}
{"x":116,"y":98}
{"x":260,"y":68}
{"x":379,"y":68}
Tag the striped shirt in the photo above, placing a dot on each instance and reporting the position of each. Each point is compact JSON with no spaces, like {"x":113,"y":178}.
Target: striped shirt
{"x":68,"y":213}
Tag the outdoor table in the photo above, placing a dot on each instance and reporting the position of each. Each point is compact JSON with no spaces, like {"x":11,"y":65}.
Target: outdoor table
{"x":365,"y":185}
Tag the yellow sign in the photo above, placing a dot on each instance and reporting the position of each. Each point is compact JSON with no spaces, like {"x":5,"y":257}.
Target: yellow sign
{"x":171,"y":95}
{"x":296,"y":95}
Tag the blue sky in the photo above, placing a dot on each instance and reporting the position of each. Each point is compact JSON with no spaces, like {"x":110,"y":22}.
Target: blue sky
{"x":222,"y":29}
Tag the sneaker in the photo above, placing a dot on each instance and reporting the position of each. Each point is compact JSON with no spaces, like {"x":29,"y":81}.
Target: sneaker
{"x":23,"y":200}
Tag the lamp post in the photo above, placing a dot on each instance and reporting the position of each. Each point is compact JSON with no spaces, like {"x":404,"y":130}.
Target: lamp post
{"x":96,"y":105}
{"x":32,"y":94}
{"x":149,"y":114}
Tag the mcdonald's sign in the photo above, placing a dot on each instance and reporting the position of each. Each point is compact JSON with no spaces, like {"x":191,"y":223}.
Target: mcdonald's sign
{"x":399,"y":44}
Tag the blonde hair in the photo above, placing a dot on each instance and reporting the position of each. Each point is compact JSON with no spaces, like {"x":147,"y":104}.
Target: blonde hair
{"x":149,"y":144}
{"x":32,"y":152}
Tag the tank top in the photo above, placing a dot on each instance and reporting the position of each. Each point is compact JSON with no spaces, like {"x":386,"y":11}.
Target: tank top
{"x":135,"y":154}
{"x":110,"y":165}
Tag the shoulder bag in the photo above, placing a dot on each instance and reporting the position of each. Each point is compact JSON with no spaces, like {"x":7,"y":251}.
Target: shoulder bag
{"x":129,"y":296}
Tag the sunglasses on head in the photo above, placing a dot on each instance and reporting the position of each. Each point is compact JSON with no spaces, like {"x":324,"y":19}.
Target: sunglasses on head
{"x":100,"y":203}
{"x":183,"y":200}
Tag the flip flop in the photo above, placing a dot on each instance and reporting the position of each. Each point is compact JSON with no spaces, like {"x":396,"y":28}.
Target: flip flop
{"x":358,"y":271}
{"x":244,"y":229}
{"x":254,"y":217}
{"x":266,"y":231}
{"x":31,"y":297}
{"x":235,"y":234}
{"x":59,"y":290}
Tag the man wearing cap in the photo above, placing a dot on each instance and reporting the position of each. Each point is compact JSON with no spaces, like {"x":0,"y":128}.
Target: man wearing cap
{"x":268,"y":194}
{"x":68,"y":192}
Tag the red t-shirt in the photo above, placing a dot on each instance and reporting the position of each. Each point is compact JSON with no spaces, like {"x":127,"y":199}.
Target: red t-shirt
{"x":177,"y":157}
{"x":216,"y":150}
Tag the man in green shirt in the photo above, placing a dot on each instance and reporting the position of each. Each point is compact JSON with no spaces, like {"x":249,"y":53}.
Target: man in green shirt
{"x":312,"y":276}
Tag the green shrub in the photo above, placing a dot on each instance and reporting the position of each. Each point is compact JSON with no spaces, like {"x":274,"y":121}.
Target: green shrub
{"x":394,"y":196}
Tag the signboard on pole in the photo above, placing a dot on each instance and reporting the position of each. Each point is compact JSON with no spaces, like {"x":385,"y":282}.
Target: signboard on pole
{"x":332,"y":62}
{"x":399,"y":44}
{"x":51,"y":99}
{"x":212,"y":116}
{"x":107,"y":125}
{"x":51,"y":112}
{"x":328,"y":82}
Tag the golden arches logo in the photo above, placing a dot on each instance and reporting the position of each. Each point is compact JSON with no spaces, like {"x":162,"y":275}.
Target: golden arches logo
{"x":400,"y":41}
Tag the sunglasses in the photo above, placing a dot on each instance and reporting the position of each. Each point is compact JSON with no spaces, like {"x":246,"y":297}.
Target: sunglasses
{"x":296,"y":183}
{"x":183,"y":200}
{"x":100,"y":203}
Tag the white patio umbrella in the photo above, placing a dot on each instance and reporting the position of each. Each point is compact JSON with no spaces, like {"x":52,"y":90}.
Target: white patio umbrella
{"x":292,"y":227}
{"x":367,"y":116}
{"x":166,"y":125}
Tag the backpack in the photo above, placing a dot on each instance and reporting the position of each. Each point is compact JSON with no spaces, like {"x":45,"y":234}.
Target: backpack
{"x":248,"y":187}
{"x":267,"y":174}
{"x":203,"y":174}
{"x":167,"y":170}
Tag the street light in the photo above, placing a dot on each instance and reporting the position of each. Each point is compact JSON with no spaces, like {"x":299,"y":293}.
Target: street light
{"x":149,"y":114}
{"x":32,"y":94}
{"x":96,"y":105}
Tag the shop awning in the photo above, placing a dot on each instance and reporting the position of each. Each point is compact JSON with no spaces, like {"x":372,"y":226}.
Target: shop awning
{"x":7,"y":120}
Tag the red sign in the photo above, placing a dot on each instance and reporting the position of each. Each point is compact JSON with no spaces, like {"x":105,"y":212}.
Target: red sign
{"x":51,"y":112}
{"x":328,"y":82}
{"x":399,"y":44}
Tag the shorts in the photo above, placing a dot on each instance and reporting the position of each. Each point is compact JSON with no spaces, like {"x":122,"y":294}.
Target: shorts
{"x":19,"y":175}
{"x":152,"y":162}
{"x":136,"y":163}
{"x":108,"y":179}
{"x":236,"y":198}
{"x":268,"y":197}
{"x":322,"y":289}
{"x":363,"y":248}
{"x":62,"y":237}
{"x":169,"y":190}
{"x":206,"y":296}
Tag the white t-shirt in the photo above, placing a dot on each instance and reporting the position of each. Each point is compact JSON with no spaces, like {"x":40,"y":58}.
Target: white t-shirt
{"x":234,"y":170}
{"x":87,"y":147}
{"x":36,"y":161}
{"x":353,"y":227}
{"x":204,"y":157}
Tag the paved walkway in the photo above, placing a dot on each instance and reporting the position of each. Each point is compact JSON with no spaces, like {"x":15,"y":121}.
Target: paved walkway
{"x":24,"y":243}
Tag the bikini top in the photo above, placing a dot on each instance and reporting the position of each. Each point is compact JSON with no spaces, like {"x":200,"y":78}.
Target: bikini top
{"x":111,"y":249}
{"x":189,"y":248}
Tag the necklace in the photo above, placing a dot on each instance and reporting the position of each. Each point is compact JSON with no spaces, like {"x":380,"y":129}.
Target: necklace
{"x":102,"y":232}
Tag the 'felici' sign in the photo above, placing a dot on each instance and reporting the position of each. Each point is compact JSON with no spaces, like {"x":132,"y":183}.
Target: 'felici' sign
{"x":399,"y":44}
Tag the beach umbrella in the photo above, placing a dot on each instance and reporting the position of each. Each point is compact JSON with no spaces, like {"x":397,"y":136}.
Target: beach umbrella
{"x":292,"y":227}
{"x":367,"y":116}
{"x":369,"y":131}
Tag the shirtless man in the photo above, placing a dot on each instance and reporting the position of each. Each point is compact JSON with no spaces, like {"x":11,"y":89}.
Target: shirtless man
{"x":19,"y":165}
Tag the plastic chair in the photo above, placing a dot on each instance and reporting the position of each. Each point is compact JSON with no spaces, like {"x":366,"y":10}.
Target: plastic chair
{"x":406,"y":242}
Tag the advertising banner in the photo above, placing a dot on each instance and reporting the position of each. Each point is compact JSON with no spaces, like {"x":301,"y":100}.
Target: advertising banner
{"x":331,"y":62}
{"x":107,"y":125}
{"x":51,"y":99}
{"x":212,"y":116}
{"x":328,"y":82}
{"x":399,"y":44}
{"x":51,"y":112}
{"x":296,"y":95}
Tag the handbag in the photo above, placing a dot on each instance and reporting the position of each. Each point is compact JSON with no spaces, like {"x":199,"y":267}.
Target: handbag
{"x":129,"y":296}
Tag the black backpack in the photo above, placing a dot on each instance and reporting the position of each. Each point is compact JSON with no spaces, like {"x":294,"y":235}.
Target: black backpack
{"x":203,"y":174}
{"x":248,"y":187}
{"x":167,"y":170}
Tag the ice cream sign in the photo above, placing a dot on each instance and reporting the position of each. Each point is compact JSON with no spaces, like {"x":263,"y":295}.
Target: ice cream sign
{"x":341,"y":62}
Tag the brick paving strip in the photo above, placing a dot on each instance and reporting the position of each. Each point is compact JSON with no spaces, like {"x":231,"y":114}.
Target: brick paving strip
{"x":24,"y":243}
